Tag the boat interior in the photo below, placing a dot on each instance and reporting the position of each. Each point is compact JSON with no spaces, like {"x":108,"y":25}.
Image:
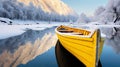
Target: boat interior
{"x":75,"y":31}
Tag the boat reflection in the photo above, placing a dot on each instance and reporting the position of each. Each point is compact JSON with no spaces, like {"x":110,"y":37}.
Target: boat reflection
{"x":25,"y":47}
{"x":66,"y":59}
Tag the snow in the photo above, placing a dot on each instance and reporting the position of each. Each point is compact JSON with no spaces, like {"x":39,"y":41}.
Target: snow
{"x":106,"y":30}
{"x":83,"y":19}
{"x":32,"y":22}
{"x":35,"y":10}
{"x":18,"y":27}
{"x":5,"y":21}
{"x":9,"y":31}
{"x":14,"y":30}
{"x":107,"y":17}
{"x":108,"y":14}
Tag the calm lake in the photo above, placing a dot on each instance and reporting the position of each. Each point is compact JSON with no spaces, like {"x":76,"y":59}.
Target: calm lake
{"x":41,"y":48}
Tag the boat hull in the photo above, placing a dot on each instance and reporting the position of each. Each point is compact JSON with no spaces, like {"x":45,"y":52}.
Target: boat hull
{"x":87,"y":50}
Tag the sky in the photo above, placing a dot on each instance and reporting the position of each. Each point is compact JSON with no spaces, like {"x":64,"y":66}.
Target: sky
{"x":85,"y":6}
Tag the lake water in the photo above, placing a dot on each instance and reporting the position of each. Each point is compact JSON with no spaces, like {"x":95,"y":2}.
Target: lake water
{"x":36,"y":48}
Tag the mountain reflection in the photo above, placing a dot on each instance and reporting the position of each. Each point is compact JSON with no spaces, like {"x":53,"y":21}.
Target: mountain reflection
{"x":66,"y":59}
{"x":23,"y":48}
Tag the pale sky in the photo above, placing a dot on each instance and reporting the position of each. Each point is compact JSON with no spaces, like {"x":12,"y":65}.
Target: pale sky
{"x":85,"y":6}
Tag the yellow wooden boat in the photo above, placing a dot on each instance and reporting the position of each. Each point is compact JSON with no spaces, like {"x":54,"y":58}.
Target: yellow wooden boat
{"x":85,"y":45}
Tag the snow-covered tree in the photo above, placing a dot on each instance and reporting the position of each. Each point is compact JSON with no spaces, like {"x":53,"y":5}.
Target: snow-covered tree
{"x":110,"y":14}
{"x":99,"y":10}
{"x":16,"y":10}
{"x":83,"y":19}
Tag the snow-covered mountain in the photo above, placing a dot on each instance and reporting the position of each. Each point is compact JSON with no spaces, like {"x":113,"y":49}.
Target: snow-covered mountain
{"x":48,"y":10}
{"x":50,"y":6}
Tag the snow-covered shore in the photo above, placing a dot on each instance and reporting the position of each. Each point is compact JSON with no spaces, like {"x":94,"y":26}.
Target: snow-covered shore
{"x":14,"y":29}
{"x":18,"y":27}
{"x":9,"y":28}
{"x":7,"y":31}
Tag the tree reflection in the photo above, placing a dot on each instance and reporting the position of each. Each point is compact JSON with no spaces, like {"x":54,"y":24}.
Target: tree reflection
{"x":115,"y":43}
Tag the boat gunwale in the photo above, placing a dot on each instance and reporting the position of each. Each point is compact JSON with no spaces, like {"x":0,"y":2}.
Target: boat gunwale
{"x":69,"y":34}
{"x":90,"y":40}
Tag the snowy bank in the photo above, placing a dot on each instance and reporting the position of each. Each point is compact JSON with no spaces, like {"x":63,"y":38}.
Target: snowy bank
{"x":14,"y":30}
{"x":9,"y":28}
{"x":5,"y":21}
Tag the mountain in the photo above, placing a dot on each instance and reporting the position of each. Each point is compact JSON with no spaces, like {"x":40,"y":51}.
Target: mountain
{"x":46,"y":10}
{"x":50,"y":6}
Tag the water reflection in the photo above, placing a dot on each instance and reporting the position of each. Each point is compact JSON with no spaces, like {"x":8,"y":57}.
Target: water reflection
{"x":66,"y":59}
{"x":114,"y":43}
{"x":29,"y":45}
{"x":111,"y":53}
{"x":111,"y":32}
{"x":23,"y":48}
